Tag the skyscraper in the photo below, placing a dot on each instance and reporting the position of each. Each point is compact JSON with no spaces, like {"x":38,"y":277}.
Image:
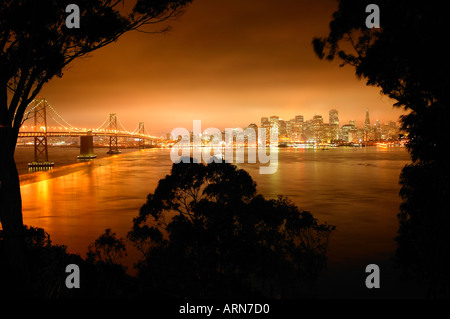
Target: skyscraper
{"x":317,"y":123}
{"x":367,"y":123}
{"x":367,"y":126}
{"x":334,"y":117}
{"x":299,"y":118}
{"x":274,"y":119}
{"x":318,"y":119}
{"x":334,"y":124}
{"x":282,"y":128}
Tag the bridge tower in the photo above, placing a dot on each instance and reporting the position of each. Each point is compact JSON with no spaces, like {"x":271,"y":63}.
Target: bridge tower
{"x":141,"y":131}
{"x":113,"y":149}
{"x":40,"y":138}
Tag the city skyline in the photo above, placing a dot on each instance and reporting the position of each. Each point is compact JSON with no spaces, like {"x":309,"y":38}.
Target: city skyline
{"x":352,"y":119}
{"x":316,"y":129}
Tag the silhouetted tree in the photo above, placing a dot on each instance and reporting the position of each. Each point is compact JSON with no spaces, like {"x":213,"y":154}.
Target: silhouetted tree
{"x":45,"y":265}
{"x":111,"y":280}
{"x":101,"y":275}
{"x":407,"y":58}
{"x":107,"y":248}
{"x":35,"y":46}
{"x":205,"y":232}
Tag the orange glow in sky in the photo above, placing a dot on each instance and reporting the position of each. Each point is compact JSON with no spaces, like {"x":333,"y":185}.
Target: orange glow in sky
{"x":224,"y":62}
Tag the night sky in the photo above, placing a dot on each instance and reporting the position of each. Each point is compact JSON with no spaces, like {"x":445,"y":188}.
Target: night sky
{"x":224,"y":62}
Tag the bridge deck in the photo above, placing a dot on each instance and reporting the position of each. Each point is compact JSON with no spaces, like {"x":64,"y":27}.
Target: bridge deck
{"x":77,"y":134}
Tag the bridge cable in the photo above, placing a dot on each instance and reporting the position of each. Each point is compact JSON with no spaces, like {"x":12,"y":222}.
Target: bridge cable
{"x":26,"y":114}
{"x":122,"y":125}
{"x":58,"y":122}
{"x":107,"y":119}
{"x":59,"y":116}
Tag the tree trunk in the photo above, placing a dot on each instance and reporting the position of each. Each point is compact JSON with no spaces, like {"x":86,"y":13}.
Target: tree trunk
{"x":11,"y":215}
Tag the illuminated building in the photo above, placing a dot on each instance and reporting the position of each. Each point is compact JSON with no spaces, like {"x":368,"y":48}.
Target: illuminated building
{"x":367,"y":126}
{"x":334,"y":124}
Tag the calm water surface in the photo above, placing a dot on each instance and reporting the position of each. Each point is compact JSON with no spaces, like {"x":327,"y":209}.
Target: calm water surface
{"x":355,"y":189}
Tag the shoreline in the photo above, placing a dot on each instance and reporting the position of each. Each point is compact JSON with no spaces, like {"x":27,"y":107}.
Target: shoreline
{"x":64,"y":164}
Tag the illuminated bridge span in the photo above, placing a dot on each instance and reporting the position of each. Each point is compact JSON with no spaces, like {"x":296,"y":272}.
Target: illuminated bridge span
{"x":111,"y":128}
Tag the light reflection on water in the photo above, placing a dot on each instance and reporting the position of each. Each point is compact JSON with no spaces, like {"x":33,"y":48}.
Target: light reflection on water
{"x":75,"y":204}
{"x":355,"y":189}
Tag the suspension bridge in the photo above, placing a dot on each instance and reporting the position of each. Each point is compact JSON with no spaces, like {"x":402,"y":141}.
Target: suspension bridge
{"x":111,"y":129}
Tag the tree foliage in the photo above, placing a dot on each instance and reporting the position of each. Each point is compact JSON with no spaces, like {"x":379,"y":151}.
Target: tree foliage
{"x":407,"y":59}
{"x":107,"y":248}
{"x":205,"y":232}
{"x":45,"y":263}
{"x":101,"y":275}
